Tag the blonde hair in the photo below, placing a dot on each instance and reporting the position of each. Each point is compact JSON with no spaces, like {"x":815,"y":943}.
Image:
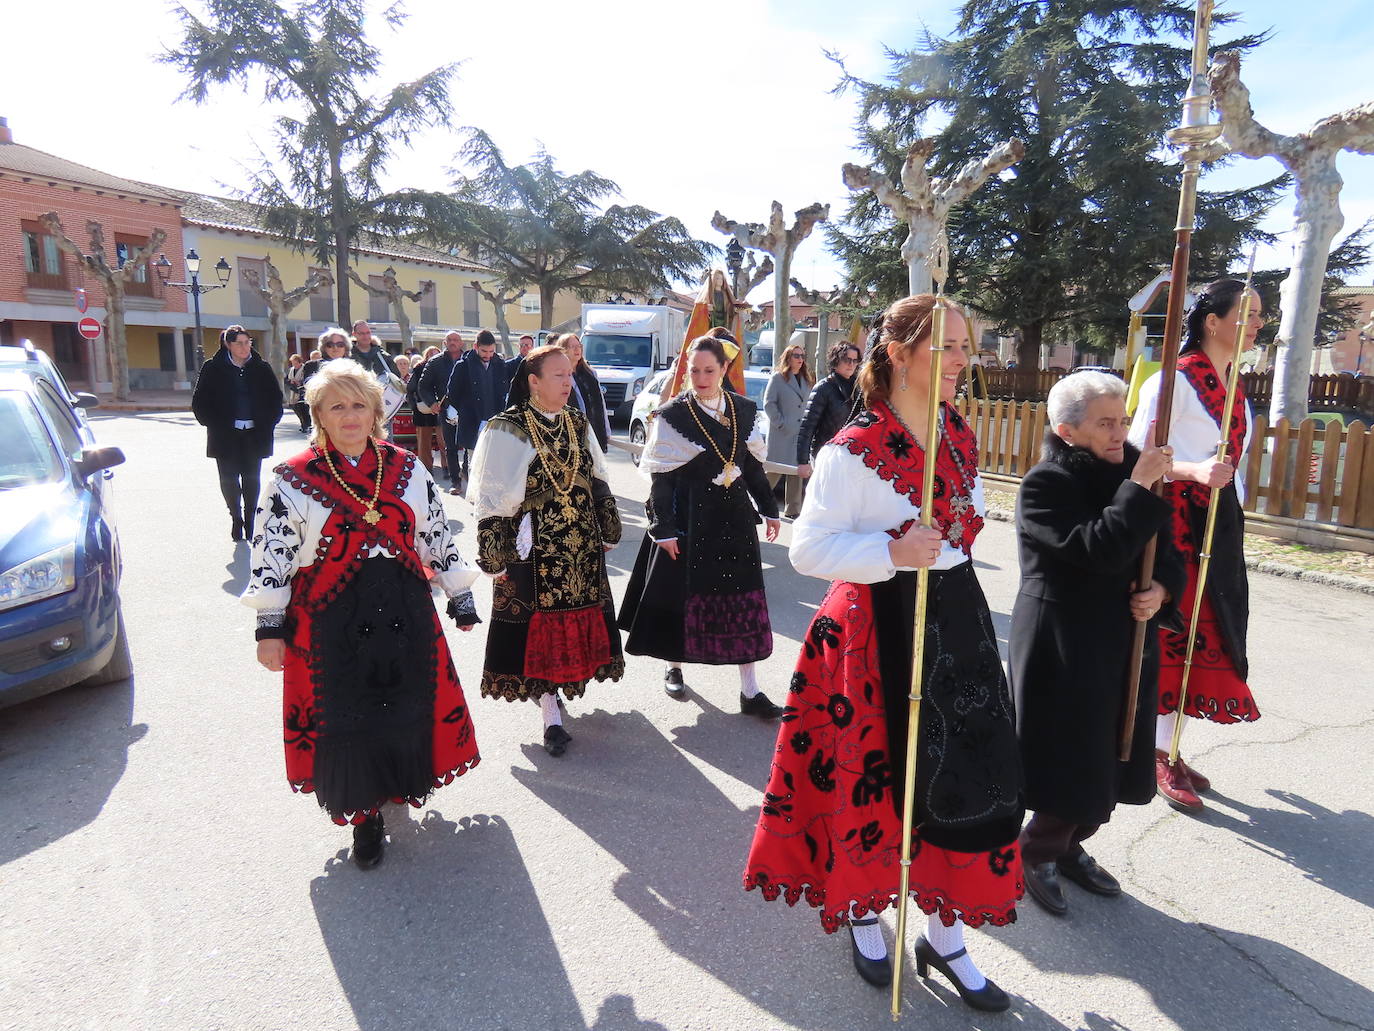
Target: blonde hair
{"x":905,"y":325}
{"x":781,"y":364}
{"x":349,"y":380}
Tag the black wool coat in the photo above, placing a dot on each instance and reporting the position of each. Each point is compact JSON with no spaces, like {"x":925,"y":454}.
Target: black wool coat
{"x":213,"y":403}
{"x":827,"y":412}
{"x":1081,"y":524}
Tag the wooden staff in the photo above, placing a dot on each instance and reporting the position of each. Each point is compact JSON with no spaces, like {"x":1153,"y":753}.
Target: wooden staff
{"x":918,"y":650}
{"x":1209,"y":533}
{"x":1194,"y":138}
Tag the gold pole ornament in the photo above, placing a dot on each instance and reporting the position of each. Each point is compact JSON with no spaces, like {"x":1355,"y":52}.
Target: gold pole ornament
{"x":1196,"y":139}
{"x":1205,"y":554}
{"x":918,"y":651}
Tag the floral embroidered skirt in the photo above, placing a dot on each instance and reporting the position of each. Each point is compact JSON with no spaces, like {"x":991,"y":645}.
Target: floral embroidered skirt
{"x":372,"y":708}
{"x":829,"y":829}
{"x":1216,"y":691}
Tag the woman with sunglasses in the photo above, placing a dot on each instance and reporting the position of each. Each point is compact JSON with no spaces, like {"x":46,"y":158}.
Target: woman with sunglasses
{"x":333,"y":345}
{"x":784,"y":402}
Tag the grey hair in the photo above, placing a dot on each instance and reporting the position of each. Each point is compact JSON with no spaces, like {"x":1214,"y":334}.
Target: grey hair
{"x":1070,"y":397}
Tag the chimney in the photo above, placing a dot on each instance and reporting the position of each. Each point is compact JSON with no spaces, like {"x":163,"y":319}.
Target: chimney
{"x":5,"y":135}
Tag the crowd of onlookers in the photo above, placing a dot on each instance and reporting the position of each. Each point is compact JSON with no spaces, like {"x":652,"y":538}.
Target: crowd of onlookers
{"x":454,"y":389}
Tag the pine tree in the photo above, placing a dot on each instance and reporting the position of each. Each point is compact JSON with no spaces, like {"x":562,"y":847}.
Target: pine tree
{"x":1067,"y":235}
{"x":334,"y":139}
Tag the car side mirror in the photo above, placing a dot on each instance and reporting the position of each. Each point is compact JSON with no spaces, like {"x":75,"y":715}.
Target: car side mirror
{"x":85,"y":400}
{"x":97,"y":459}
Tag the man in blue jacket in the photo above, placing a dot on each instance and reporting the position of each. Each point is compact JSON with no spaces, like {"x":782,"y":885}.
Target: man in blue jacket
{"x":477,"y":390}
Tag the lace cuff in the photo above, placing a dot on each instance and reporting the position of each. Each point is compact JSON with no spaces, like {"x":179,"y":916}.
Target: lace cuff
{"x":462,"y":609}
{"x":271,"y":625}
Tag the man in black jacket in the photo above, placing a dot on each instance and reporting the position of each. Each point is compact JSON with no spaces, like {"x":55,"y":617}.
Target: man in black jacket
{"x":828,"y":409}
{"x":238,"y":401}
{"x":369,"y":352}
{"x":433,"y":393}
{"x":476,"y":391}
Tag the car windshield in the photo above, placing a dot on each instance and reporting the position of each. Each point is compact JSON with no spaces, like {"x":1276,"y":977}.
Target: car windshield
{"x":753,"y":388}
{"x":27,"y":453}
{"x":620,"y":352}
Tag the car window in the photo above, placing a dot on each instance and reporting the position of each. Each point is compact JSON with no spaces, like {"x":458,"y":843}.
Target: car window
{"x":61,"y":415}
{"x":27,"y":455}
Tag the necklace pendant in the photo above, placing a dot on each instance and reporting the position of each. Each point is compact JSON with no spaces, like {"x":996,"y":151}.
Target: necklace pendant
{"x":372,"y":517}
{"x":730,"y":475}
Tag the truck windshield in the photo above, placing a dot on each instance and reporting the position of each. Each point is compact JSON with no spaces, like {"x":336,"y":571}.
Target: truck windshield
{"x":616,"y":351}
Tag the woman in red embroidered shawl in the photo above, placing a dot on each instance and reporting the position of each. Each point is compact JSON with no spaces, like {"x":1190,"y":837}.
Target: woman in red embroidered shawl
{"x":830,"y":826}
{"x":349,"y":533}
{"x":1217,"y":688}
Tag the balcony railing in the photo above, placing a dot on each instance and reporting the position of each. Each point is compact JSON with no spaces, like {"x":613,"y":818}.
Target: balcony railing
{"x":47,"y":280}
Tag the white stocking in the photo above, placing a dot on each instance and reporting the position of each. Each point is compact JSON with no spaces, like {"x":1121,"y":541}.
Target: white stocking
{"x":868,"y":939}
{"x":548,"y":705}
{"x":949,"y":940}
{"x":748,"y":682}
{"x":1164,"y":731}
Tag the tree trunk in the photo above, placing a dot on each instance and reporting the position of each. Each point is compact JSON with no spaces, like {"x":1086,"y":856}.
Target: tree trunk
{"x":503,"y":327}
{"x":1028,"y":350}
{"x":1316,"y":221}
{"x":546,"y":295}
{"x":920,"y":241}
{"x":338,"y":222}
{"x":402,"y":322}
{"x":276,"y":341}
{"x":782,"y":296}
{"x":119,"y":344}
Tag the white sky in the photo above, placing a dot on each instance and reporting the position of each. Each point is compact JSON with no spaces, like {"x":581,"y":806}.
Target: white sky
{"x":724,"y":104}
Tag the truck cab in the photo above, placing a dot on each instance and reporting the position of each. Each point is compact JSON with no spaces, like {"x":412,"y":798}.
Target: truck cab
{"x":625,"y":344}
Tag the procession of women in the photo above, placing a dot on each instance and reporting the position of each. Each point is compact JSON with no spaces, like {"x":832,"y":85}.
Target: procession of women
{"x":912,"y":771}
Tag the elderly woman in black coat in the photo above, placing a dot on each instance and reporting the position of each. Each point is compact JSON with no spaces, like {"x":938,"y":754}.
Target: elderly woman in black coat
{"x":1083,"y":516}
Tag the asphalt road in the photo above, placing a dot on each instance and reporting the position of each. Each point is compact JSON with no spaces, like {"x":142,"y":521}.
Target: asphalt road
{"x":157,"y":873}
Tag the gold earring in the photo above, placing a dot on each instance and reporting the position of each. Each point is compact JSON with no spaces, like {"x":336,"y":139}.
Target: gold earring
{"x":902,"y":384}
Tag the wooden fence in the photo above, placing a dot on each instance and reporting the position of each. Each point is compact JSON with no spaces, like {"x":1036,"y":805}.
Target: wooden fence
{"x":1334,"y":485}
{"x":1333,"y":393}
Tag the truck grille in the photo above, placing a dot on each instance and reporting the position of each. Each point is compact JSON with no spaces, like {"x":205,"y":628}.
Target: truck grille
{"x":614,"y":393}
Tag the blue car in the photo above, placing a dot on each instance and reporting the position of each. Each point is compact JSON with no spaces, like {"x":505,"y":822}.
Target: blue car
{"x":60,"y":620}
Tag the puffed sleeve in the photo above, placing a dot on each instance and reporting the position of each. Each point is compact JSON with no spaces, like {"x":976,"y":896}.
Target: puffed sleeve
{"x":607,"y":513}
{"x":275,"y":556}
{"x":499,"y":467}
{"x":436,"y":547}
{"x":825,"y":540}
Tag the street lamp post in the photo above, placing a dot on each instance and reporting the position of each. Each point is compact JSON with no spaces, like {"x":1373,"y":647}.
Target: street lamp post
{"x":195,"y":288}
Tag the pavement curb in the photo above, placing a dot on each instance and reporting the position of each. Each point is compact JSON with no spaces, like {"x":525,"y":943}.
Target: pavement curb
{"x":1260,"y":565}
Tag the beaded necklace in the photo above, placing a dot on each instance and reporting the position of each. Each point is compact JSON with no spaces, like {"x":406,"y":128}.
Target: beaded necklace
{"x":546,"y":442}
{"x":370,"y":514}
{"x":729,"y":470}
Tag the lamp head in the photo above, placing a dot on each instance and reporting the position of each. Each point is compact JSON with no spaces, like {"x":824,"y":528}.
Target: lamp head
{"x":163,"y":268}
{"x":192,"y":262}
{"x":223,"y":270}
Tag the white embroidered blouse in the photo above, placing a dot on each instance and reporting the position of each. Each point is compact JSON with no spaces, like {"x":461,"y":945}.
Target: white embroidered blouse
{"x":1193,"y":433}
{"x":841,"y":533}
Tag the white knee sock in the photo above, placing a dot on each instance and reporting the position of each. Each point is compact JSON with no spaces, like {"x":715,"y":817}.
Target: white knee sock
{"x":868,"y":939}
{"x":748,"y":682}
{"x":548,"y":705}
{"x":949,"y":940}
{"x":1164,"y":731}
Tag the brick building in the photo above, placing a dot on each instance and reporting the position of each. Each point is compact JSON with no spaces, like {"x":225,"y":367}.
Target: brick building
{"x":38,"y":280}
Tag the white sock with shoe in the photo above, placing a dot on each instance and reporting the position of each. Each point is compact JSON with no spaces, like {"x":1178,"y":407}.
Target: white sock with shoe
{"x":869,"y":940}
{"x":748,"y":680}
{"x":1164,"y":732}
{"x":949,"y":940}
{"x":548,"y":706}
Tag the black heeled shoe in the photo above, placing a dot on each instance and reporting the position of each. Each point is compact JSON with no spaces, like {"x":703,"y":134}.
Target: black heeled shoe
{"x":989,"y":998}
{"x":877,"y":972}
{"x":672,"y":683}
{"x":369,"y":841}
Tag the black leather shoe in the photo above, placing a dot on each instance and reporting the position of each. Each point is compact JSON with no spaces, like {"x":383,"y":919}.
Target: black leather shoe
{"x":1042,"y":881}
{"x":673,"y":685}
{"x":759,"y":706}
{"x":1083,"y":870}
{"x":877,"y":972}
{"x":556,"y":740}
{"x":236,"y":531}
{"x":989,"y":998}
{"x":369,"y":840}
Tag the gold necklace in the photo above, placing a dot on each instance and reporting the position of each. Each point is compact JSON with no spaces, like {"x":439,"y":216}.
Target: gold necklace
{"x":546,"y":446}
{"x":370,"y":514}
{"x":730,"y":472}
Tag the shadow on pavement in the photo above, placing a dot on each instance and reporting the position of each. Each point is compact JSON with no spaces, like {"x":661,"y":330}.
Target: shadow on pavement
{"x":683,"y":844}
{"x":60,"y":757}
{"x":237,"y":568}
{"x":1318,"y":841}
{"x":1199,"y":976}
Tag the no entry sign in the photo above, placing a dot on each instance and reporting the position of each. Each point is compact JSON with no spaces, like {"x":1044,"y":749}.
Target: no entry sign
{"x":88,"y":328}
